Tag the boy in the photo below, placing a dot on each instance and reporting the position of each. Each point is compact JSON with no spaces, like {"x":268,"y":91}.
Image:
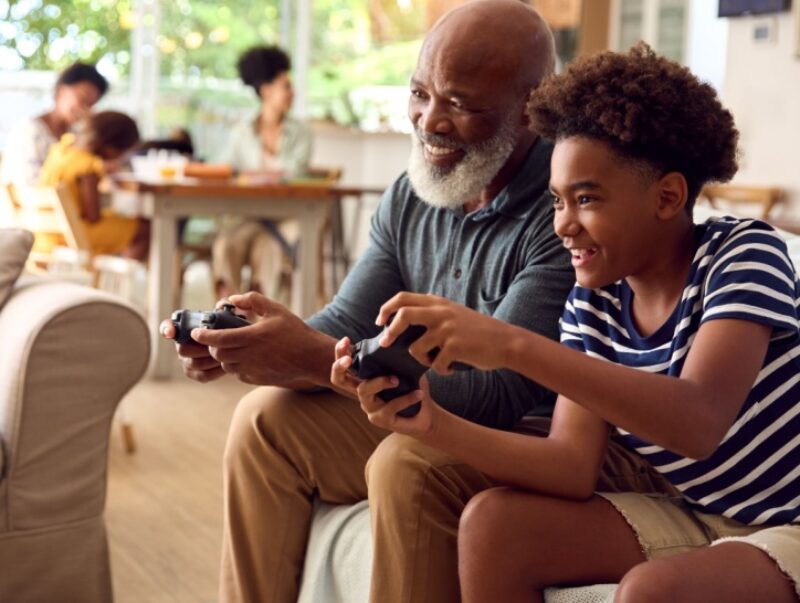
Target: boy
{"x":706,"y":313}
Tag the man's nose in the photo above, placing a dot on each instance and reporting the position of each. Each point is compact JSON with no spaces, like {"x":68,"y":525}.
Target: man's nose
{"x":435,"y":119}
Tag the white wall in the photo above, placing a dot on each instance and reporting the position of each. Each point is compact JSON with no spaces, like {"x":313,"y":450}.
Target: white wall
{"x":368,"y":159}
{"x":706,"y":43}
{"x":762,"y":89}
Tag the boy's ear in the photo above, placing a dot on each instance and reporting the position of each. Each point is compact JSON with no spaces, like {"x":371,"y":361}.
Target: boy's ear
{"x":673,"y":193}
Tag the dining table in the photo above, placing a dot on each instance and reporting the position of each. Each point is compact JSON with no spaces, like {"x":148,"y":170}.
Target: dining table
{"x":166,"y":201}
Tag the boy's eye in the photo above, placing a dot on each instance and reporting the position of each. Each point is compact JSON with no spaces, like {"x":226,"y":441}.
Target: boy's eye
{"x":557,"y":202}
{"x":583,"y":200}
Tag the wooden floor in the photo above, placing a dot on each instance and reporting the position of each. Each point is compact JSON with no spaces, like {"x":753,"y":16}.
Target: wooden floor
{"x":164,"y":505}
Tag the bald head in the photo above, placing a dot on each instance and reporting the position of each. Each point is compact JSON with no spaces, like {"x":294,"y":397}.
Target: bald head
{"x":505,"y":36}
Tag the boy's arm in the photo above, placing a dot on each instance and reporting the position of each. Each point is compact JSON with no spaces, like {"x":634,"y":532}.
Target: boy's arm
{"x":565,"y":464}
{"x":687,"y":415}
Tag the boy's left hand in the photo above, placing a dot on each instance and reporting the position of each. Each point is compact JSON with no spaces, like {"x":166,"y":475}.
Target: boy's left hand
{"x":381,"y":413}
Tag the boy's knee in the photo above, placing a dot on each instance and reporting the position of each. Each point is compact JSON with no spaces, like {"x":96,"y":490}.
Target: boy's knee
{"x":651,"y":581}
{"x":480,"y":520}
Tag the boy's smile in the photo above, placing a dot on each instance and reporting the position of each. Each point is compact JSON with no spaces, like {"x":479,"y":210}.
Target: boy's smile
{"x":605,"y":211}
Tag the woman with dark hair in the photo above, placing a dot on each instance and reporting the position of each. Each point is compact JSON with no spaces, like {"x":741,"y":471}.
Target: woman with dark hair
{"x":273,"y":143}
{"x":77,"y":89}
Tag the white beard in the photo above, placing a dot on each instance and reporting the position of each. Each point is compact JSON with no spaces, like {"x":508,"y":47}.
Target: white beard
{"x":474,"y":172}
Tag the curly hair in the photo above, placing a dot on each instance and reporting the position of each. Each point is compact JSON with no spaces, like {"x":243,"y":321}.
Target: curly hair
{"x":262,"y":64}
{"x":647,"y":108}
{"x":111,"y":129}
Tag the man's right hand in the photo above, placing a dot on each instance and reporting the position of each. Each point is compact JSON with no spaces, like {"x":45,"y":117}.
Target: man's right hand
{"x":277,"y":349}
{"x":196,"y":360}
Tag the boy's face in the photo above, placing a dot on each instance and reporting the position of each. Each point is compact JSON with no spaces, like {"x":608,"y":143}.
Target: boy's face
{"x":605,"y":211}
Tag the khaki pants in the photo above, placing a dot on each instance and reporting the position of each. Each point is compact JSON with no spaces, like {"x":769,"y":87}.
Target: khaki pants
{"x":249,"y":242}
{"x":284,"y":448}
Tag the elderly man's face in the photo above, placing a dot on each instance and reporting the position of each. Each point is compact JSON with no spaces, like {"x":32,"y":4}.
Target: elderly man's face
{"x":466,"y":125}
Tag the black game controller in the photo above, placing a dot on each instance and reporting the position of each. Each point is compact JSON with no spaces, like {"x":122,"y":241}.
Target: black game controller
{"x":370,"y":360}
{"x":222,"y":318}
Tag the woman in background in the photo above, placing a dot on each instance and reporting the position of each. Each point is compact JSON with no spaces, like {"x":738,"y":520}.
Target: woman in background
{"x":271,"y":143}
{"x":77,"y":90}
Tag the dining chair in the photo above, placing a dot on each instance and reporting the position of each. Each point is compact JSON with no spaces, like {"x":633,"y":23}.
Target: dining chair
{"x":762,"y":199}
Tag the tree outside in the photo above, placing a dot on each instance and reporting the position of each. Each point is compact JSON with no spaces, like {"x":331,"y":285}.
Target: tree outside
{"x":362,"y":50}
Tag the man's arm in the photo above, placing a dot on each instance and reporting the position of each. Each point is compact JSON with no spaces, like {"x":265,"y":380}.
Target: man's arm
{"x":534,"y":301}
{"x":280,"y":349}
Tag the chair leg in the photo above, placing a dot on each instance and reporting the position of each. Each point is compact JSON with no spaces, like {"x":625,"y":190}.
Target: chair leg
{"x":127,"y":438}
{"x":128,"y":441}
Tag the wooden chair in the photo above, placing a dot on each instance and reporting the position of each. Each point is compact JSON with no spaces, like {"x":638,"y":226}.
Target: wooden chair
{"x":761,"y":198}
{"x":52,"y":215}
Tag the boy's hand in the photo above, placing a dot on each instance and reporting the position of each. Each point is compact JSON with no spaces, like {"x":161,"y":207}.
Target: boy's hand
{"x":461,"y":334}
{"x":384,"y":414}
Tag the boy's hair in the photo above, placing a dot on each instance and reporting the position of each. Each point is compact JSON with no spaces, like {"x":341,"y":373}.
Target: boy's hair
{"x":262,"y":64}
{"x":111,"y":129}
{"x":83,"y":72}
{"x":647,"y":109}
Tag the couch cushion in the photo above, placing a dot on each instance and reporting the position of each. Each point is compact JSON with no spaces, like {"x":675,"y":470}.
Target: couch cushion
{"x":15,"y":245}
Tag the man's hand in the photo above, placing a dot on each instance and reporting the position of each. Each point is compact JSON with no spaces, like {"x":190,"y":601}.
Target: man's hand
{"x":277,"y":349}
{"x":196,"y":361}
{"x":461,"y":334}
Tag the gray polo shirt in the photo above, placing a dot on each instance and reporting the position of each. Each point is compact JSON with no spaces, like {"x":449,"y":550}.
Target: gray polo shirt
{"x":504,"y":260}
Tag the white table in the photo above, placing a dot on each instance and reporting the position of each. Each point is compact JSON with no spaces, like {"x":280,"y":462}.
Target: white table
{"x":307,"y":203}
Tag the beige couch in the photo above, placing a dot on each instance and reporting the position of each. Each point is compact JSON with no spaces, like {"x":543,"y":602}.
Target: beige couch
{"x":67,"y":356}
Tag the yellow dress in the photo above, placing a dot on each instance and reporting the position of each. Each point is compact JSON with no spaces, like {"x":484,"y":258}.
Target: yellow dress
{"x":65,"y":164}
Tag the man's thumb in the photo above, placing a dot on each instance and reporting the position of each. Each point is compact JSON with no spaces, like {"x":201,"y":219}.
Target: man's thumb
{"x":252,"y":301}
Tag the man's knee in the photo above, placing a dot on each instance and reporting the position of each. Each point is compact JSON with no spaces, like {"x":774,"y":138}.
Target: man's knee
{"x":261,"y":418}
{"x":398,"y":462}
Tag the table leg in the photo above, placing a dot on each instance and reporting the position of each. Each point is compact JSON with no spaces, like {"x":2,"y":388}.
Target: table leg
{"x":306,"y":277}
{"x":160,"y":291}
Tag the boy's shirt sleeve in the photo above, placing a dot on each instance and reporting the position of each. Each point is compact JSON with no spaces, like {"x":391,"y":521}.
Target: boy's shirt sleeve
{"x":751,"y":277}
{"x":570,"y":334}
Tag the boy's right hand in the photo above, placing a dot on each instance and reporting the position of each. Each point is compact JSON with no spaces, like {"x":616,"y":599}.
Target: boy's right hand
{"x":196,"y":360}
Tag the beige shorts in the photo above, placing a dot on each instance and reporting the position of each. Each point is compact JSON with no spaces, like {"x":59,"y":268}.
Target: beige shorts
{"x":666,"y":526}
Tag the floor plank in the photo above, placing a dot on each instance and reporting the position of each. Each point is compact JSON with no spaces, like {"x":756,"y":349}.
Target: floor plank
{"x":164,"y":505}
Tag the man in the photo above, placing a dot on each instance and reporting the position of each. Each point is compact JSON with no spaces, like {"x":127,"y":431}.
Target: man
{"x":471,"y":220}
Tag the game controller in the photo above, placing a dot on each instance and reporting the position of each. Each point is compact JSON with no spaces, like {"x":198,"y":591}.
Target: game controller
{"x":221,"y":318}
{"x":370,"y":360}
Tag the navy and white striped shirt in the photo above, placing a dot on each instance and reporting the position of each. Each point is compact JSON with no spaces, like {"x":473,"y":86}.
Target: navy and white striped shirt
{"x":741,"y":269}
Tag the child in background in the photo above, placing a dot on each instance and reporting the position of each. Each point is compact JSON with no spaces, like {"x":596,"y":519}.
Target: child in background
{"x":80,"y":161}
{"x":681,"y":338}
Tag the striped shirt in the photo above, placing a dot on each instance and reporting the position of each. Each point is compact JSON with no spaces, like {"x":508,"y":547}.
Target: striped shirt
{"x":741,"y":270}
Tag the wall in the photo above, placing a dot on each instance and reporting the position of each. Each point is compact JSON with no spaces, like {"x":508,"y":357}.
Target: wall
{"x":706,"y":43}
{"x":762,"y":89}
{"x":371,"y":160}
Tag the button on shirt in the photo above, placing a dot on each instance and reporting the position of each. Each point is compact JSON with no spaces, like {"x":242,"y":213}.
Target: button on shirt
{"x":503,"y":260}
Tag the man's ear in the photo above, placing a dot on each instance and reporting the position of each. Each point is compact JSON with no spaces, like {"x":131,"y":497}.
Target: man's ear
{"x":673,"y":193}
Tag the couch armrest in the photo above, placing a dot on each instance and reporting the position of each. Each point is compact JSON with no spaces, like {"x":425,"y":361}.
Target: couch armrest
{"x":68,"y":355}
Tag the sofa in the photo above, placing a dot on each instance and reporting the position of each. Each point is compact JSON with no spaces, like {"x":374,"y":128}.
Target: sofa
{"x":69,"y":353}
{"x":339,"y":554}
